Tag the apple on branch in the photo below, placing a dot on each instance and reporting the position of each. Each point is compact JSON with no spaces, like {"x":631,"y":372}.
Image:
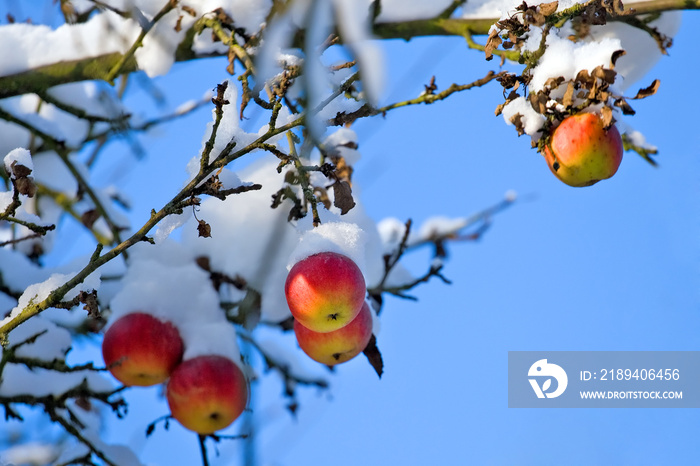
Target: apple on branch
{"x":582,"y":151}
{"x":325,"y":291}
{"x":140,"y":349}
{"x":207,"y":393}
{"x":340,"y":345}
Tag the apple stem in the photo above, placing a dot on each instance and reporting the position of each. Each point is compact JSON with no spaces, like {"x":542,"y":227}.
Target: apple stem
{"x":203,"y":449}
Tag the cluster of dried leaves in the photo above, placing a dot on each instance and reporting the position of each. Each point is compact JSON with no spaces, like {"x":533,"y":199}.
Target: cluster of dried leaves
{"x":561,"y":97}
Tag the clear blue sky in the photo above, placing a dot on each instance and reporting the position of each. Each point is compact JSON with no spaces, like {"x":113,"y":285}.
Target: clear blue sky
{"x":612,"y":267}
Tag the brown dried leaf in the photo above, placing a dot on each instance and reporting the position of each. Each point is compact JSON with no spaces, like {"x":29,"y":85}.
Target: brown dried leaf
{"x":26,"y":186}
{"x":604,"y":74}
{"x":624,"y":106}
{"x":203,"y":263}
{"x":647,"y":91}
{"x":90,"y":303}
{"x":492,"y":44}
{"x":568,"y":98}
{"x":517,"y":120}
{"x":607,"y":116}
{"x":322,"y":196}
{"x":585,"y":79}
{"x":548,"y":8}
{"x":204,"y":229}
{"x":20,"y":171}
{"x":553,"y":83}
{"x":89,"y":218}
{"x":189,"y":10}
{"x":374,"y":356}
{"x":616,"y":55}
{"x":538,"y":101}
{"x":342,"y":196}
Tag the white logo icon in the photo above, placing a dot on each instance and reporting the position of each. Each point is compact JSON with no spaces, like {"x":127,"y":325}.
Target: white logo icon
{"x":543,"y":369}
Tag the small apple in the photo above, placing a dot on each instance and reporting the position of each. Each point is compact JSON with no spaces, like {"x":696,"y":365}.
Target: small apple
{"x":325,"y":291}
{"x":140,"y":349}
{"x":340,"y":345}
{"x":582,"y":151}
{"x":207,"y":393}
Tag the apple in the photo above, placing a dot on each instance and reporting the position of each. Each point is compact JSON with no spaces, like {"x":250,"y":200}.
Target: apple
{"x":140,"y":349}
{"x":582,"y":151}
{"x":325,"y":291}
{"x":340,"y":345}
{"x":207,"y":393}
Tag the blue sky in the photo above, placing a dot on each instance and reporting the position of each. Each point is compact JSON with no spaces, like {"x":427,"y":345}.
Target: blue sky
{"x":611,"y":267}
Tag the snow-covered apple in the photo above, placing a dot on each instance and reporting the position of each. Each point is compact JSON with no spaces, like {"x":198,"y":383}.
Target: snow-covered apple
{"x":140,"y":349}
{"x":582,"y":151}
{"x":207,"y":393}
{"x":325,"y":291}
{"x":340,"y":345}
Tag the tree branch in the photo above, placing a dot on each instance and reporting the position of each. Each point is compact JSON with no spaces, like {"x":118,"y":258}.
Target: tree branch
{"x":38,"y":80}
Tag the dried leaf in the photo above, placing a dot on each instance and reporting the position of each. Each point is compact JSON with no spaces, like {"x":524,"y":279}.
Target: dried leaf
{"x":616,"y":55}
{"x":568,"y":98}
{"x":342,"y":196}
{"x":203,"y":263}
{"x":548,"y":8}
{"x":604,"y":74}
{"x":90,"y":304}
{"x":607,"y":114}
{"x":492,"y":43}
{"x":584,"y":78}
{"x":26,"y":186}
{"x":624,"y":106}
{"x":322,"y":196}
{"x":374,"y":356}
{"x":204,"y":229}
{"x":189,"y":10}
{"x":517,"y":120}
{"x":553,"y":83}
{"x":19,"y":170}
{"x":647,"y":91}
{"x":538,"y":101}
{"x":89,"y":218}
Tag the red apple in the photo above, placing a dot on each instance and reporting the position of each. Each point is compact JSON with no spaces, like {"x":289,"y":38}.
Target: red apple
{"x":207,"y":393}
{"x":340,"y":345}
{"x":582,"y":151}
{"x":140,"y":349}
{"x":325,"y":291}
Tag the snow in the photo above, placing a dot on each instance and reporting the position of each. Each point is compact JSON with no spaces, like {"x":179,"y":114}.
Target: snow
{"x":532,"y":121}
{"x":339,"y":237}
{"x":32,"y":453}
{"x":39,"y":291}
{"x":53,"y":343}
{"x":338,"y":142}
{"x":438,"y":227}
{"x":165,"y":282}
{"x":37,"y":45}
{"x":19,"y":156}
{"x":216,"y":337}
{"x":566,"y":58}
{"x":18,"y":379}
